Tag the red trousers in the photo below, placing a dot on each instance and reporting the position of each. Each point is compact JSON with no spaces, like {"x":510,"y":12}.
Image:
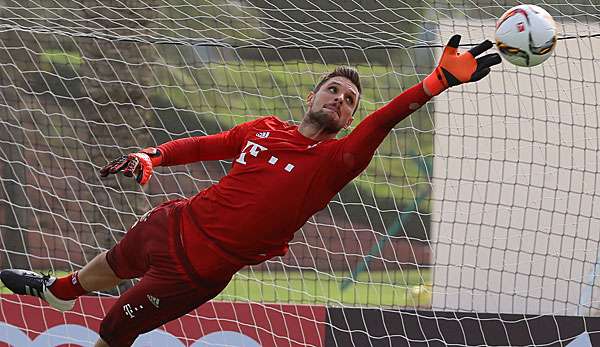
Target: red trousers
{"x":169,"y":288}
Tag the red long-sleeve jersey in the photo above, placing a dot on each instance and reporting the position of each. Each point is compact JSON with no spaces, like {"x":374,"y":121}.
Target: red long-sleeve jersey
{"x":279,"y":179}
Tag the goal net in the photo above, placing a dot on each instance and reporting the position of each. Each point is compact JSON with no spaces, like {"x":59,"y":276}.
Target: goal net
{"x":482,"y":201}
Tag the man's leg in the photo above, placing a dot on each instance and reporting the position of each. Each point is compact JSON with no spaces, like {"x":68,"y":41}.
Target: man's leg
{"x":98,"y":275}
{"x":61,"y":292}
{"x":151,"y":303}
{"x":125,"y":260}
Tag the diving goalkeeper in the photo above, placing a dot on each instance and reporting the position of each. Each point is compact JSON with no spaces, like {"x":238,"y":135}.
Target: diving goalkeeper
{"x":187,"y":250}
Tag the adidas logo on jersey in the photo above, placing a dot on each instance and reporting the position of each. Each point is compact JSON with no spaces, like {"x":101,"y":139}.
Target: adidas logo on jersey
{"x":153,"y":300}
{"x":263,"y":134}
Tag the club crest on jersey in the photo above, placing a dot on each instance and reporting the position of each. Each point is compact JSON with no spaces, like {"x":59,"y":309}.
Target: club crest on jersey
{"x":263,"y":134}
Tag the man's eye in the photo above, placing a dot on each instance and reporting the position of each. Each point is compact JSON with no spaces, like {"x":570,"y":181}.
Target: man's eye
{"x":350,"y":100}
{"x":333,"y":89}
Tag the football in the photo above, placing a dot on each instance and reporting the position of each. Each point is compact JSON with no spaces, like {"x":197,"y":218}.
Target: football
{"x":526,"y":35}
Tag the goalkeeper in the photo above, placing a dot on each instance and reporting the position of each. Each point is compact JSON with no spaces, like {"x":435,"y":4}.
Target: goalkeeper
{"x":187,"y":250}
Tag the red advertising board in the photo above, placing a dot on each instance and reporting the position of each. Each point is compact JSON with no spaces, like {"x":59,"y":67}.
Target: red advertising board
{"x":34,"y":323}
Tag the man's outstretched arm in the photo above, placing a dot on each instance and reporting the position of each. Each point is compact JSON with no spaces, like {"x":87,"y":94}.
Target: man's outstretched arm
{"x":453,"y":69}
{"x":224,"y":145}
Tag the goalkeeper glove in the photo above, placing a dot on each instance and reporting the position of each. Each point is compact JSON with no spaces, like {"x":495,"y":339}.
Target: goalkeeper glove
{"x":140,"y":163}
{"x":456,"y":68}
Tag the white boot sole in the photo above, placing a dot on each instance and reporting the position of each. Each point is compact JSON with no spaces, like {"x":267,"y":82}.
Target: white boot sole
{"x":59,"y":304}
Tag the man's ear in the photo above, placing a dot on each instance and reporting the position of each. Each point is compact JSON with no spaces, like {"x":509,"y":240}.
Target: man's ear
{"x":310,"y":98}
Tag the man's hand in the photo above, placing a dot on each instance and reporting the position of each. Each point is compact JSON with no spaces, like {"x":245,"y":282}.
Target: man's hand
{"x":141,"y":164}
{"x":456,"y":68}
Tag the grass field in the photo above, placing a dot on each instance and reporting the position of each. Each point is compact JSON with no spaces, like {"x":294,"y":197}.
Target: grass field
{"x":408,"y":288}
{"x":391,"y":289}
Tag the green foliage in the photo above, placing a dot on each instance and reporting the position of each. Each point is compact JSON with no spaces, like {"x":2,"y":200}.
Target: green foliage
{"x":55,"y":56}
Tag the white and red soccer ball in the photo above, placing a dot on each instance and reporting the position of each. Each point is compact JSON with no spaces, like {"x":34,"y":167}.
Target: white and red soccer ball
{"x":526,"y":35}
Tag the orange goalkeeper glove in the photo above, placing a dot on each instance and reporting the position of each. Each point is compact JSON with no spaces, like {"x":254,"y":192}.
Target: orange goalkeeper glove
{"x":456,"y":68}
{"x":140,"y":163}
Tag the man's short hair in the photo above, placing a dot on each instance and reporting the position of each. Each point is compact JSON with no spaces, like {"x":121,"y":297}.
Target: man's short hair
{"x":342,"y":71}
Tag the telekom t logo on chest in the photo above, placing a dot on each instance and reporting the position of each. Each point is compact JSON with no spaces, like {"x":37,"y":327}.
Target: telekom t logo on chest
{"x":254,"y":149}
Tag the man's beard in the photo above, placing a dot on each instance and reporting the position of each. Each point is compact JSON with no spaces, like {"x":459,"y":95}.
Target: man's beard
{"x":324,"y":121}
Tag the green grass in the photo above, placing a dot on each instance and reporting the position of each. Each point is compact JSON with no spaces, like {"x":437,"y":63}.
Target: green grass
{"x":408,"y":288}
